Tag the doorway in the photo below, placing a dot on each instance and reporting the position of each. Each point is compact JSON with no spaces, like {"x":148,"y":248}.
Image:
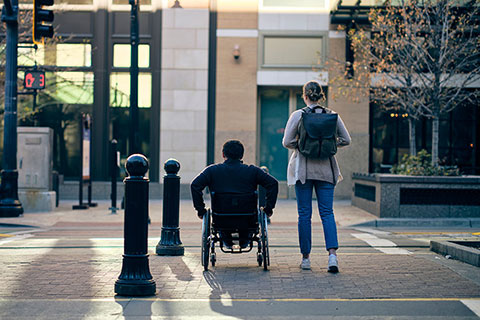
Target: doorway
{"x":275,"y":106}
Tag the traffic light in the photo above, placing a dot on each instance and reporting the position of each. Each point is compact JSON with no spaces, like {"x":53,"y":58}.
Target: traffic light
{"x":42,"y":20}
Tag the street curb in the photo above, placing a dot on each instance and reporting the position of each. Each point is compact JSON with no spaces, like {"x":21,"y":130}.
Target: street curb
{"x":428,"y":223}
{"x":15,"y":225}
{"x":457,"y":251}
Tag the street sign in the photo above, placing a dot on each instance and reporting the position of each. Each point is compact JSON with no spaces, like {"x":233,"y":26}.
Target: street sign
{"x":34,"y":79}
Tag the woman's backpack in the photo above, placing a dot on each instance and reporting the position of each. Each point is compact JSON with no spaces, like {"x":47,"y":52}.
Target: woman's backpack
{"x":317,"y":134}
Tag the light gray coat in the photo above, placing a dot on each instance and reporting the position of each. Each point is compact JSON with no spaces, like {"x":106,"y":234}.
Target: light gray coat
{"x":301,"y":168}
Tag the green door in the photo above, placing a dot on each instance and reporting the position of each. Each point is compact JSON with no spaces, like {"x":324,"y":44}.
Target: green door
{"x":273,"y":117}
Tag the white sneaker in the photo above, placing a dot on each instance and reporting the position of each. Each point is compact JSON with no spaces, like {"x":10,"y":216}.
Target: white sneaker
{"x":332,"y":264}
{"x":305,"y":265}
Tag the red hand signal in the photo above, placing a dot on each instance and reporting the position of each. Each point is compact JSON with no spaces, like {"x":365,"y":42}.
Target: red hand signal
{"x":29,"y":79}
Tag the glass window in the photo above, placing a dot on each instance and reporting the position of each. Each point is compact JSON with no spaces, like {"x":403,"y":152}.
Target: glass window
{"x":72,"y":87}
{"x":294,"y":3}
{"x":74,"y":55}
{"x":390,"y":139}
{"x":120,"y":90}
{"x":121,"y":55}
{"x":74,"y":2}
{"x":66,"y":96}
{"x":143,"y":2}
{"x":284,"y":52}
{"x":28,"y":56}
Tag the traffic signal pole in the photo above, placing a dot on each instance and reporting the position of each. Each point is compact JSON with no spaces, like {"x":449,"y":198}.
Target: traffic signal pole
{"x":10,"y":206}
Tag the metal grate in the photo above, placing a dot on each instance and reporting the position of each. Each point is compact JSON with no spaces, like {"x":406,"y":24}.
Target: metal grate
{"x":365,"y":192}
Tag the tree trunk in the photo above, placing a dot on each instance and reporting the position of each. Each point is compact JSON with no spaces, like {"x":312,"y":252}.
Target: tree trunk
{"x":412,"y":136}
{"x":435,"y":124}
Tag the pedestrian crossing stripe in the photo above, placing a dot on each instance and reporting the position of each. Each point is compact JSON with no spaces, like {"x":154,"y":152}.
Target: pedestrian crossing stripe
{"x":473,"y":305}
{"x":383,"y":245}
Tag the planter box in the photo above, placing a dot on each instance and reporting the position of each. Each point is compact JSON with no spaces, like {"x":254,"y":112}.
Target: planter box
{"x":464,"y":251}
{"x":397,"y":196}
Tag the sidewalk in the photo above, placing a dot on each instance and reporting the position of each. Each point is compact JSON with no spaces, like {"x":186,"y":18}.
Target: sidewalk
{"x":70,"y":260}
{"x":285,"y":212}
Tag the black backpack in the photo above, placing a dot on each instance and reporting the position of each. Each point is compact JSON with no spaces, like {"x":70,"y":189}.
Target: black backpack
{"x":318,"y":134}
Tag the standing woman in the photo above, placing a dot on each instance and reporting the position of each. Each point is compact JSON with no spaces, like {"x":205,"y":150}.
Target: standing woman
{"x":307,"y":174}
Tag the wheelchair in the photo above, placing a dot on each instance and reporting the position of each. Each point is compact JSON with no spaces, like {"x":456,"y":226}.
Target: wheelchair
{"x":239,"y":215}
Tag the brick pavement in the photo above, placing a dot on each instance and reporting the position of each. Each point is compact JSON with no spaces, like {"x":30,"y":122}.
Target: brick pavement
{"x":75,"y":258}
{"x":82,"y":273}
{"x":79,"y":267}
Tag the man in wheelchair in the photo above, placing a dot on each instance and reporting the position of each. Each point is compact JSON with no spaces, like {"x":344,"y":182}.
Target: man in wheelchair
{"x":233,"y":177}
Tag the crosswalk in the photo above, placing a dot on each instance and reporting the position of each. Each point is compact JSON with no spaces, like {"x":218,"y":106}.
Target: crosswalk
{"x":383,"y":245}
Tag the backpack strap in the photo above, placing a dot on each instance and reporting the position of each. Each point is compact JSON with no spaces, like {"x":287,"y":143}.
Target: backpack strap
{"x":307,"y":109}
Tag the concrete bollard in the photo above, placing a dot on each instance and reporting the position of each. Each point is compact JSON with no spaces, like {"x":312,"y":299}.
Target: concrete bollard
{"x":170,"y":244}
{"x":135,"y":278}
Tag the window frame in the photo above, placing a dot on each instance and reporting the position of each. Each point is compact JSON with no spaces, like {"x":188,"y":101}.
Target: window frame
{"x":288,"y":9}
{"x":323,"y":35}
{"x":113,"y":69}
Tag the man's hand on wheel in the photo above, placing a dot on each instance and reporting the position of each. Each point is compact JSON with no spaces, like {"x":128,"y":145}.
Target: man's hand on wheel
{"x":200,"y":214}
{"x":268,"y":211}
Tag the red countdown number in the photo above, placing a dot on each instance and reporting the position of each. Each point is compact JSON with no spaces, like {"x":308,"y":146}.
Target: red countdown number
{"x":34,"y":80}
{"x":42,"y":80}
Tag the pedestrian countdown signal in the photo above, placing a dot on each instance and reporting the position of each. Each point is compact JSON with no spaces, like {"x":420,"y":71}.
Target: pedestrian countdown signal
{"x":34,"y":80}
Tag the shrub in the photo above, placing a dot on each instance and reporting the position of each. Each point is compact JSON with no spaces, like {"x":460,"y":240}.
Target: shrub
{"x":421,"y":165}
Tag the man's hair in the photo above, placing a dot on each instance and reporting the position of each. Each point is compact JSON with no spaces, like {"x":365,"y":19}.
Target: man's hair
{"x":233,"y":149}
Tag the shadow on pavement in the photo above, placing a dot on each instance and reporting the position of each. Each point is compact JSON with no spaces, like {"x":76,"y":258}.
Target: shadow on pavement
{"x":55,"y":272}
{"x":181,"y":271}
{"x":133,"y":308}
{"x":222,"y":299}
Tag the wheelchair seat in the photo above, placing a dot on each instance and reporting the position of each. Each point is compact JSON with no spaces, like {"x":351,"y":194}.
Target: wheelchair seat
{"x":234,"y":211}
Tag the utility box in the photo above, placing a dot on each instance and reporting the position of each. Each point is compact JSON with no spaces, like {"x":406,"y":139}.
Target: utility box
{"x":35,"y":164}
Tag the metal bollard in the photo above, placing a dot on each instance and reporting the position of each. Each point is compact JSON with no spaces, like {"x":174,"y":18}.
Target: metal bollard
{"x":114,"y":164}
{"x":135,"y":278}
{"x":170,"y":244}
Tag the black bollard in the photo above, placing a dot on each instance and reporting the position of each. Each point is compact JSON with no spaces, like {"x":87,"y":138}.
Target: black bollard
{"x":113,"y":175}
{"x":170,"y":244}
{"x":135,"y":278}
{"x":81,"y":205}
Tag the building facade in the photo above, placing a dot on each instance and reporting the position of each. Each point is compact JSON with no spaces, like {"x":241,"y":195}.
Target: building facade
{"x":197,"y":90}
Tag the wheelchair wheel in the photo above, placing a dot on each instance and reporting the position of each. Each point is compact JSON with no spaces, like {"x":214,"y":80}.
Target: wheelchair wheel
{"x":264,"y":240}
{"x":205,"y":240}
{"x":259,"y":259}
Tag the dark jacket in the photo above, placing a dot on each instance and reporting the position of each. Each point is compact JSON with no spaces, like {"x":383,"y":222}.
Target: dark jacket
{"x":232,"y":176}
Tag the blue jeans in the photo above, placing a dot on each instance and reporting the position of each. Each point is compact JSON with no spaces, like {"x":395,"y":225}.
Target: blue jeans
{"x":324,"y":191}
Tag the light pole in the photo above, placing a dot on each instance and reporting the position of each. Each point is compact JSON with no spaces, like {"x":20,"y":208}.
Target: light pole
{"x":10,"y":206}
{"x":134,"y":38}
{"x":212,"y":83}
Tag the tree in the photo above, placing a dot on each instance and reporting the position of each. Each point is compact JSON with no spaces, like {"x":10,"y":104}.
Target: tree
{"x":423,"y":57}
